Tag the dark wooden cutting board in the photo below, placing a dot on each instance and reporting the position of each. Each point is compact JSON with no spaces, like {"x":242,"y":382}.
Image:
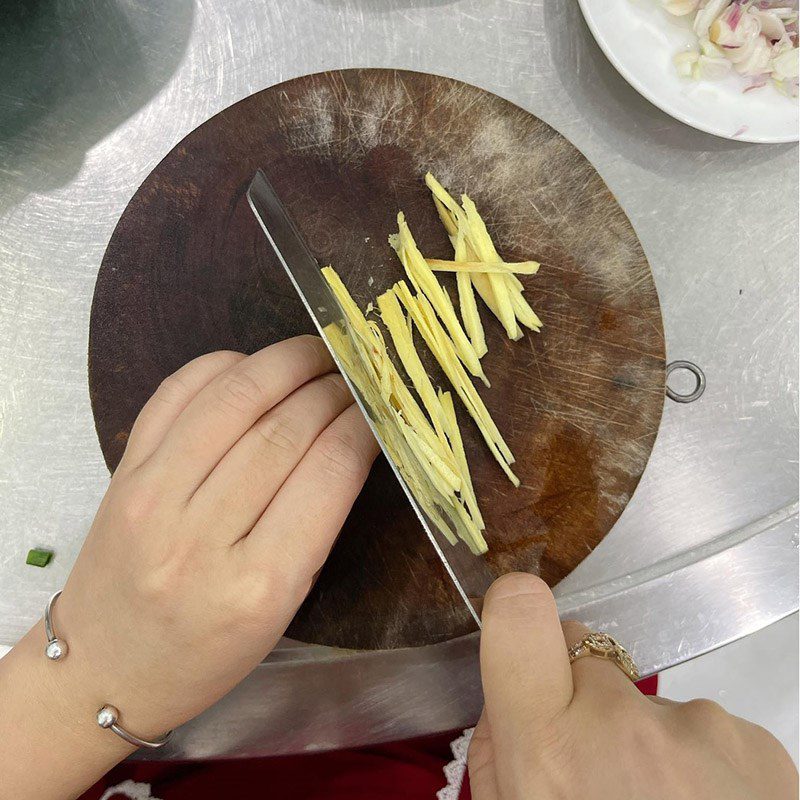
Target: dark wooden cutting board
{"x":188,"y":270}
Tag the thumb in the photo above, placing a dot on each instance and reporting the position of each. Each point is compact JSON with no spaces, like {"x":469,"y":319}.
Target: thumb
{"x":525,"y":670}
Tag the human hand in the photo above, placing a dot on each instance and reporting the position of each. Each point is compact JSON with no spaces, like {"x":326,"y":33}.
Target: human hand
{"x":553,"y":730}
{"x":237,"y":477}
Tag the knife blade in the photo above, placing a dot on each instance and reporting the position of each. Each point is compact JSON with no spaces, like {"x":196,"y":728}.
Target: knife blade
{"x":470,"y":573}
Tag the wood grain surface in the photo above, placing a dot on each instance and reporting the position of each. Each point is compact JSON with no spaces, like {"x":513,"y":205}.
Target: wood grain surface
{"x":188,"y":271}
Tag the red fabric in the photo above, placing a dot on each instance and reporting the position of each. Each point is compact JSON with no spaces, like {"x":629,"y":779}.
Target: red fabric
{"x":407,"y":770}
{"x":648,"y":686}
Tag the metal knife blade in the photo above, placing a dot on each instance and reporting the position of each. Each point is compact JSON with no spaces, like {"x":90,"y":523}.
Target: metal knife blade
{"x":469,"y":573}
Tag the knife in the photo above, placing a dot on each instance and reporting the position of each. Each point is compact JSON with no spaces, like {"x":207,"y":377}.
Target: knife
{"x":469,"y":573}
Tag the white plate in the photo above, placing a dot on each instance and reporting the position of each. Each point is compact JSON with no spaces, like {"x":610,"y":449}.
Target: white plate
{"x":640,"y":39}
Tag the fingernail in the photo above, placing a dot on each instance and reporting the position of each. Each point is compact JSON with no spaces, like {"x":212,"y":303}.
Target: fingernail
{"x":514,"y":584}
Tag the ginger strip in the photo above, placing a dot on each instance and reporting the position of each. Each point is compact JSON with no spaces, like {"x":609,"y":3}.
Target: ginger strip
{"x":501,"y":292}
{"x":440,"y":345}
{"x":466,"y":300}
{"x":395,"y":322}
{"x":500,"y":267}
{"x":481,"y":243}
{"x":425,"y":282}
{"x":454,"y":434}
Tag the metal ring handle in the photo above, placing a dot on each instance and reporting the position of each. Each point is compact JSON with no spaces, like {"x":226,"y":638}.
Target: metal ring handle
{"x":700,"y":381}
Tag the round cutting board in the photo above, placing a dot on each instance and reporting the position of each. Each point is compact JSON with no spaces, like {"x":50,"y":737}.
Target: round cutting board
{"x":188,"y":270}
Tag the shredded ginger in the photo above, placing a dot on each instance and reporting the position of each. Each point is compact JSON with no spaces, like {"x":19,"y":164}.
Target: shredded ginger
{"x":428,"y":452}
{"x":420,"y":428}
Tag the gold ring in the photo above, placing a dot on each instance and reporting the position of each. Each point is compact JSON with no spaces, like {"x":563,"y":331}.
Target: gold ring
{"x":601,"y":645}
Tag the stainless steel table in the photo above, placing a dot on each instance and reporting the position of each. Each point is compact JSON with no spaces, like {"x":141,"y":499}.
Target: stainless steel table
{"x":92,"y":95}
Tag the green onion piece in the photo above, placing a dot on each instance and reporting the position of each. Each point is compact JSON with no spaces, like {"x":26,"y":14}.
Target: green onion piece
{"x":38,"y":558}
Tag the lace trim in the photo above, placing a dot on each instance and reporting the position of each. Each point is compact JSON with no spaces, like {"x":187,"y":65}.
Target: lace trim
{"x":454,"y":772}
{"x":131,"y":790}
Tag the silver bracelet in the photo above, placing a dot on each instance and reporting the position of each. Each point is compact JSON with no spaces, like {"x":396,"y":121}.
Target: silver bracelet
{"x":56,"y":648}
{"x":107,"y":716}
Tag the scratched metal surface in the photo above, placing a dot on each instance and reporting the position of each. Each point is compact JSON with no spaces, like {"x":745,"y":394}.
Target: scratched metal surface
{"x":92,"y":95}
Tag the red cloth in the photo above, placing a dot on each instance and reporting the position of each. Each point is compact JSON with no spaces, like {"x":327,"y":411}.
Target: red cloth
{"x":407,"y":770}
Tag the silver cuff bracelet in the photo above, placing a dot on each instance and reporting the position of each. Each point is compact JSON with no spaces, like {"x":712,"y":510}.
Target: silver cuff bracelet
{"x":107,"y":716}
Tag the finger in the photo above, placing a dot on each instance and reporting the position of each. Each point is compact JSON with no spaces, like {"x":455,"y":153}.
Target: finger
{"x":230,"y":404}
{"x":661,"y":701}
{"x":592,"y":674}
{"x":298,"y":529}
{"x":524,"y":667}
{"x":169,"y":400}
{"x":480,"y":762}
{"x":253,"y":470}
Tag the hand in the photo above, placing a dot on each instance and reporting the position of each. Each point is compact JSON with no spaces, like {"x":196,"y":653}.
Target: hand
{"x":235,"y":482}
{"x":551,"y":731}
